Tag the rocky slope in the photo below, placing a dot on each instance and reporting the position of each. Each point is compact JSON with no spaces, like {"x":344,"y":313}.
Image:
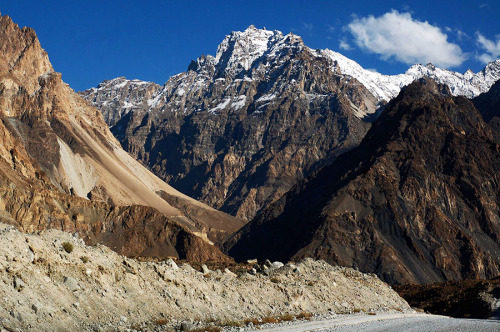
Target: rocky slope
{"x":46,"y":288}
{"x":488,"y":104}
{"x":62,"y":168}
{"x":238,"y":130}
{"x":417,"y":201}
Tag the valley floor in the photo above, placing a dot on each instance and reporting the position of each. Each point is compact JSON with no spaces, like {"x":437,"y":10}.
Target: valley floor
{"x":392,"y":322}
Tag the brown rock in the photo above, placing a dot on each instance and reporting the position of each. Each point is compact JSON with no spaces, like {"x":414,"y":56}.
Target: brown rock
{"x":62,"y":168}
{"x":417,"y":201}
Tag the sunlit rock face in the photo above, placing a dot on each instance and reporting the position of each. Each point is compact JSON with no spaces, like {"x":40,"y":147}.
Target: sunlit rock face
{"x":61,"y":167}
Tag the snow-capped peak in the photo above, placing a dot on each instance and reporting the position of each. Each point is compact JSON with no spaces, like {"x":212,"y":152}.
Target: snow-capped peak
{"x":243,"y":51}
{"x":239,"y":50}
{"x":386,"y":87}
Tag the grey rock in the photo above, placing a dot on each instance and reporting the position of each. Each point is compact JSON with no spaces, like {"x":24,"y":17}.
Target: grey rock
{"x":170,"y":263}
{"x":276,"y":265}
{"x":18,"y":284}
{"x":229,"y":273}
{"x":186,"y":326}
{"x":71,"y":283}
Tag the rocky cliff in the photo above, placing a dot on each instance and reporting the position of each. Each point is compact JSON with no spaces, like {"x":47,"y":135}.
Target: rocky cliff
{"x":62,"y":168}
{"x":488,"y":104}
{"x":417,"y":201}
{"x":239,"y":129}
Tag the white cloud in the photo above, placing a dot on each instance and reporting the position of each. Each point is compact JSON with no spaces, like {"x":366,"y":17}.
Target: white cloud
{"x":343,"y":45}
{"x":398,"y":36}
{"x":492,"y":48}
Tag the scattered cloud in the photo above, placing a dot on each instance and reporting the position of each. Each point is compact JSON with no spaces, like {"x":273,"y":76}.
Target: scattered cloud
{"x":307,"y":26}
{"x":398,"y":36}
{"x":330,"y":28}
{"x":303,"y":28}
{"x":491,"y":47}
{"x":483,"y":5}
{"x":461,"y":35}
{"x":343,"y":45}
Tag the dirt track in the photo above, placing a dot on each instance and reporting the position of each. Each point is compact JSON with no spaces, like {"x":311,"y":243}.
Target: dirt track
{"x":393,"y":322}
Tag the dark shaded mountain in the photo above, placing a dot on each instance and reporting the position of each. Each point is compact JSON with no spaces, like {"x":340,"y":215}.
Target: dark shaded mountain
{"x":60,"y":167}
{"x":238,"y":130}
{"x":416,"y":202}
{"x":459,"y":299}
{"x":488,"y":104}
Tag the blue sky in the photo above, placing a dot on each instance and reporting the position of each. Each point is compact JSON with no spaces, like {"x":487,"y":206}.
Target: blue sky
{"x":89,"y":41}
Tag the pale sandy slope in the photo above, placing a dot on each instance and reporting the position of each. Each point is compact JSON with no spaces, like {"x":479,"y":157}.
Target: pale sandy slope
{"x":44,"y":288}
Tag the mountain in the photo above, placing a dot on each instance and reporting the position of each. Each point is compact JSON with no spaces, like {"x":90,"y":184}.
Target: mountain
{"x":417,"y":201}
{"x":62,"y":168}
{"x":238,"y":130}
{"x":119,"y":96}
{"x":387,"y":87}
{"x":488,"y":104}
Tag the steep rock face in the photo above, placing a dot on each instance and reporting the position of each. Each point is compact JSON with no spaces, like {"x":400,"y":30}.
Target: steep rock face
{"x":488,"y":104}
{"x":417,"y":201}
{"x":238,"y":130}
{"x":57,"y":155}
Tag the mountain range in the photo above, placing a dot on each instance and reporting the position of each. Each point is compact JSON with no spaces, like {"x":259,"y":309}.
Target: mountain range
{"x":238,"y":130}
{"x":307,"y":153}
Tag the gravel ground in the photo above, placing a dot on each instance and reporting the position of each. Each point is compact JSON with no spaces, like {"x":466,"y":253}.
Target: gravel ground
{"x":52,"y":281}
{"x":389,"y":322}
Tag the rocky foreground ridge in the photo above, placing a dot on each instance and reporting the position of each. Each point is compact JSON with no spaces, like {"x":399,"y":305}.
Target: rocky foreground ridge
{"x":60,"y":167}
{"x":52,"y":281}
{"x":417,"y":201}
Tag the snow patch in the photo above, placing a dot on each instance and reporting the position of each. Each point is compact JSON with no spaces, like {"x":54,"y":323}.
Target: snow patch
{"x":267,"y":97}
{"x":239,"y":102}
{"x":220,"y":106}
